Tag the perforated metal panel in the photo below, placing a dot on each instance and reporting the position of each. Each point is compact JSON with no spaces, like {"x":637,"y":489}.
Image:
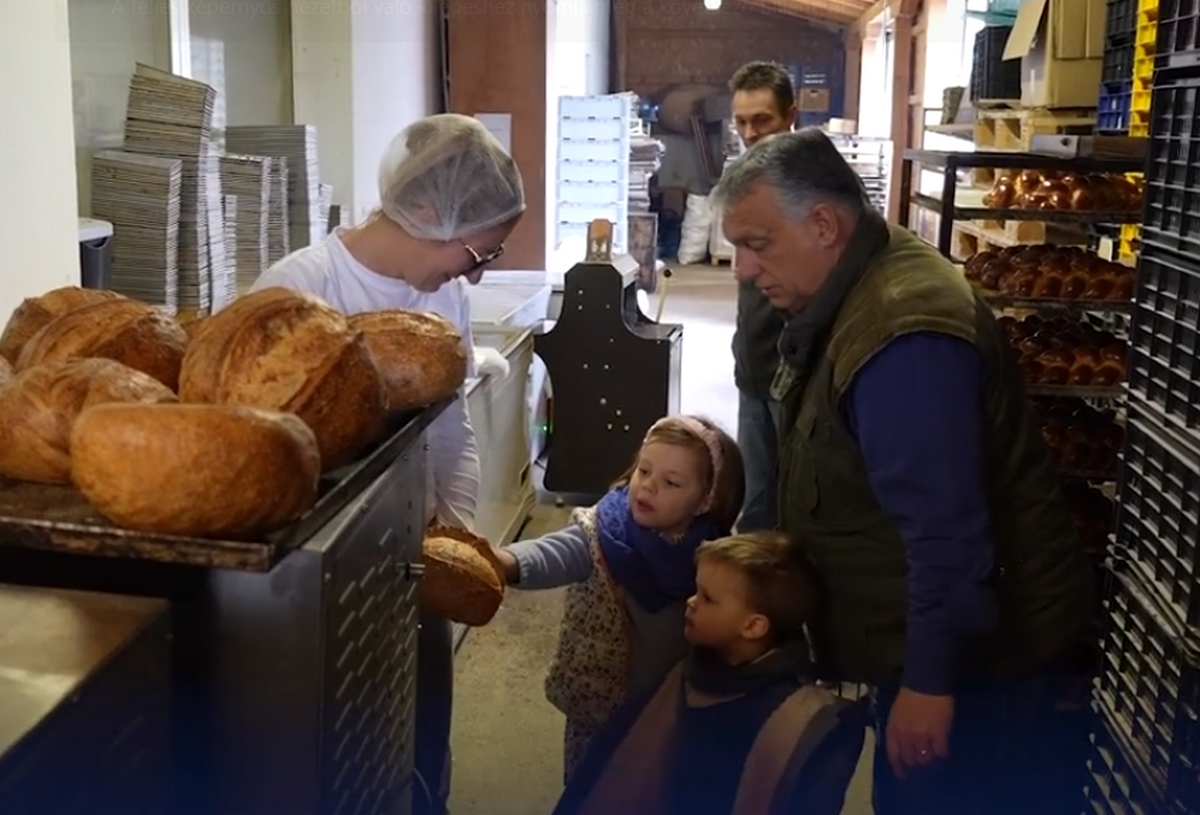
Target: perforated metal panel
{"x":372,"y":675}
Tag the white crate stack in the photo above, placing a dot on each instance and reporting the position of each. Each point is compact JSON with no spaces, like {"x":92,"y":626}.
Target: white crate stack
{"x":593,"y":166}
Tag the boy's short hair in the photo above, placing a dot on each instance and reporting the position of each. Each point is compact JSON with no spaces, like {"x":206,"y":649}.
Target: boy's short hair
{"x":782,"y":583}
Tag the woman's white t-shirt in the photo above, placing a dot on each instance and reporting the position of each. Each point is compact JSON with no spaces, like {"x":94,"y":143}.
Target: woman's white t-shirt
{"x":329,"y":271}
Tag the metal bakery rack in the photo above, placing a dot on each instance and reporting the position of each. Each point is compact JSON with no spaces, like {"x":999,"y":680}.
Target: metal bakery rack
{"x":293,"y":659}
{"x":947,"y":206}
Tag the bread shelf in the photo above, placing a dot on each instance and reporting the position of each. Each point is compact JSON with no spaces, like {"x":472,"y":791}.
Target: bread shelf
{"x":1000,"y":300}
{"x":1080,"y":391}
{"x":947,"y":205}
{"x":58,"y":518}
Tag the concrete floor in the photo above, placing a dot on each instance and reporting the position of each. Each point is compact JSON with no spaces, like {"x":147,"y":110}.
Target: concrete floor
{"x":507,"y":739}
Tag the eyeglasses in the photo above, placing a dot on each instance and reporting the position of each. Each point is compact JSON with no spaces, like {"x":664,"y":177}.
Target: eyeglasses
{"x":478,"y":261}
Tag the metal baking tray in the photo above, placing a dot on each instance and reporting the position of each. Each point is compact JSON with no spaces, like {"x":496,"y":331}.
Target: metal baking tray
{"x":59,"y":518}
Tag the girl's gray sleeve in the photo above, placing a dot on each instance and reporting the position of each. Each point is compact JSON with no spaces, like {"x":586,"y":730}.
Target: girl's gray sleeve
{"x":558,"y":559}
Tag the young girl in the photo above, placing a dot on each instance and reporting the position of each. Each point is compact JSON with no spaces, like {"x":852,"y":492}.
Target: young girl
{"x":630,"y":565}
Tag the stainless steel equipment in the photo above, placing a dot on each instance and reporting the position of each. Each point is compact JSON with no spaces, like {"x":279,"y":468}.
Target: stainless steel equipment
{"x":294,"y":687}
{"x":85,"y":720}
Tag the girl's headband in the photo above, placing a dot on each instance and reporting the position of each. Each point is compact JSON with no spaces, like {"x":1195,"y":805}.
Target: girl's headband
{"x":702,"y":432}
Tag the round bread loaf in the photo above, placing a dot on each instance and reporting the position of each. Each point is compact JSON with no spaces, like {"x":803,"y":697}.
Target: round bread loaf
{"x":34,"y":312}
{"x":6,"y":372}
{"x":282,"y":350}
{"x":192,"y":327}
{"x":215,"y":471}
{"x":40,"y":405}
{"x":460,"y":583}
{"x":420,"y":355}
{"x":132,"y":333}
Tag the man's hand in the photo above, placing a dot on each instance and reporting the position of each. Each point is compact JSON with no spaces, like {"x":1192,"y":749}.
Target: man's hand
{"x":918,"y":730}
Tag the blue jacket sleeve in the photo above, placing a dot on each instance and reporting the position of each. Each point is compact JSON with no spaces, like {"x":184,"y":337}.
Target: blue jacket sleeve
{"x":917,"y":411}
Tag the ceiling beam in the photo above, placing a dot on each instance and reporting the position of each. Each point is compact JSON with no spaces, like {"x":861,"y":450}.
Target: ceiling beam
{"x":839,"y":12}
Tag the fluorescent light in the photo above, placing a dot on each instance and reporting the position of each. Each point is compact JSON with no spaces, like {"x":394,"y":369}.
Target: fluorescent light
{"x":712,"y":5}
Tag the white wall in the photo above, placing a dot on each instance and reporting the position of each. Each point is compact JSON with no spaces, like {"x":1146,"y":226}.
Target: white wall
{"x":582,"y":36}
{"x":244,"y":51}
{"x":362,"y":72}
{"x":38,"y":214}
{"x":108,"y":38}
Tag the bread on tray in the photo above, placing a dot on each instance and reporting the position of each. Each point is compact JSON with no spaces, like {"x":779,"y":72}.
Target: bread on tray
{"x":34,"y":312}
{"x":132,"y":333}
{"x":463,"y":580}
{"x":420,"y":355}
{"x":278,"y":349}
{"x":213,"y":471}
{"x":40,"y":405}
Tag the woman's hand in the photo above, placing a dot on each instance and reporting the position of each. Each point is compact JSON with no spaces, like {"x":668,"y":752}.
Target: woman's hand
{"x":508,"y":562}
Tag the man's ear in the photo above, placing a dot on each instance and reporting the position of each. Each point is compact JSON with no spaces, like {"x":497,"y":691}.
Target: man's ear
{"x":828,"y":226}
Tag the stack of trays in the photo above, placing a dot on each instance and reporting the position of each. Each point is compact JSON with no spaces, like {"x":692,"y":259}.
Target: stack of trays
{"x":140,"y":196}
{"x":298,"y":144}
{"x":326,"y":203}
{"x":247,"y":178}
{"x":225,"y":284}
{"x":172,"y":117}
{"x":278,"y":238}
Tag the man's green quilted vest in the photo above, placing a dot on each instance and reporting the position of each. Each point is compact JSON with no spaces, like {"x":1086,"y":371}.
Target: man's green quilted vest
{"x":1043,"y":579}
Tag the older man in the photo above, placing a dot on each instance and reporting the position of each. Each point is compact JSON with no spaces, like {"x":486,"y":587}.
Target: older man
{"x":913,"y":468}
{"x":763,"y":104}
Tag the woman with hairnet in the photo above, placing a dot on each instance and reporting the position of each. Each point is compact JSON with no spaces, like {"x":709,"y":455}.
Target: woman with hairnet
{"x":450,"y":196}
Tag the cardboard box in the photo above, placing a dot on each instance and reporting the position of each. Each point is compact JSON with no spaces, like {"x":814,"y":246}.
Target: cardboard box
{"x":1061,"y":47}
{"x":813,"y":100}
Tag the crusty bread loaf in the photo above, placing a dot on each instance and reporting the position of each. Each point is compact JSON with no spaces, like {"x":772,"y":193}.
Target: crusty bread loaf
{"x":193,"y":327}
{"x":40,"y":405}
{"x":420,"y":355}
{"x":460,"y":583}
{"x":34,"y":312}
{"x":6,"y":372}
{"x":219,"y":471}
{"x":282,"y":350}
{"x":132,"y":333}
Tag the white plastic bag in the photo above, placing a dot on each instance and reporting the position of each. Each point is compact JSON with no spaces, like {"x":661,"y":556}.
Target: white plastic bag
{"x":697,"y":221}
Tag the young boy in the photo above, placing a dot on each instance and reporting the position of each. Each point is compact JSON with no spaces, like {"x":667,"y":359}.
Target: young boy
{"x":738,"y":728}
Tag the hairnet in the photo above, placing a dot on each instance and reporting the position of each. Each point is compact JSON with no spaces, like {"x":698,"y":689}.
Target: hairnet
{"x":446,"y":176}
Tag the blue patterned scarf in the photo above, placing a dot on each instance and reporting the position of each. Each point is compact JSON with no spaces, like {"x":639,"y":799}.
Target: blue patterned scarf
{"x":654,"y":571}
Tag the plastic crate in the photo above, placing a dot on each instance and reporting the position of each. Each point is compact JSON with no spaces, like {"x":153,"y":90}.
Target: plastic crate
{"x":1158,"y":512}
{"x":1118,"y":63}
{"x":992,"y":77}
{"x":1114,"y":787}
{"x":1148,"y":689}
{"x":1172,"y":199}
{"x":1121,"y":21}
{"x":1178,"y":41}
{"x":1112,"y":108}
{"x":1164,"y":346}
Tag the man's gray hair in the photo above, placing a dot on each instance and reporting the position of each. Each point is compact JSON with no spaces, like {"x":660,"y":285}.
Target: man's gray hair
{"x":803,"y":169}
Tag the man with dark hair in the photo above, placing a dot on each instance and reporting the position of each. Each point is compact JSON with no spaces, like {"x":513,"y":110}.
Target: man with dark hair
{"x":916,"y":474}
{"x":763,"y":104}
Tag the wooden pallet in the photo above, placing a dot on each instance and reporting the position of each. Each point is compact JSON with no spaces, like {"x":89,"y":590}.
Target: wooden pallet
{"x":1013,"y":129}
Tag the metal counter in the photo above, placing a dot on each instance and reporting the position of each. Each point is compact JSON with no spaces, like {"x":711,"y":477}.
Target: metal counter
{"x":294,"y":688}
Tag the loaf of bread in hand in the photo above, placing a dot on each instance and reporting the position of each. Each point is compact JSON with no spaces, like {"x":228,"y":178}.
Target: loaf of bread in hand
{"x":132,"y":333}
{"x":282,"y":350}
{"x":420,"y":355}
{"x":39,"y":407}
{"x":463,"y":580}
{"x":34,"y":312}
{"x":211,"y":471}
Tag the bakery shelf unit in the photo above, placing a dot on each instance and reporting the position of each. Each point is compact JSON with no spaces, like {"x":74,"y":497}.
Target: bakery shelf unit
{"x":959,"y":201}
{"x":870,"y":157}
